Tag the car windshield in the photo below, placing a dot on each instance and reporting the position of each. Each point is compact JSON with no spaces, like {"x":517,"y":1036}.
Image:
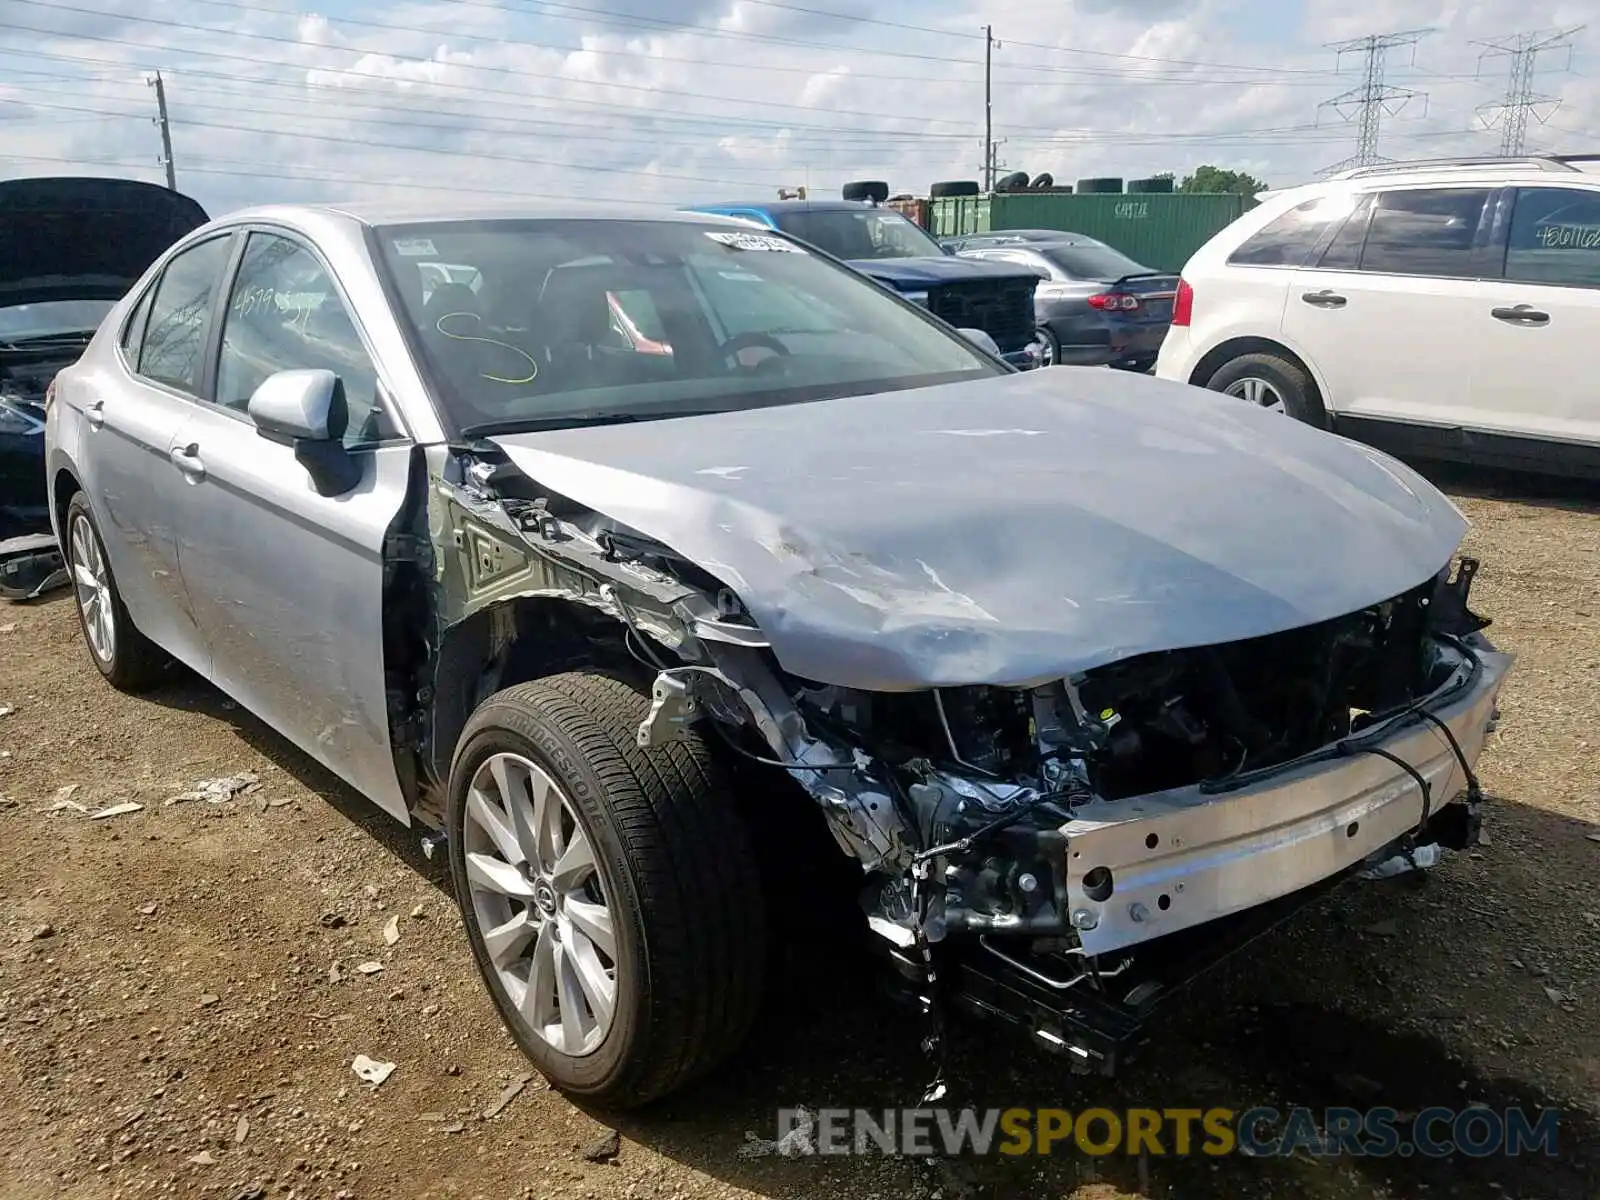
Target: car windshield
{"x":571,"y":322}
{"x":52,"y":318}
{"x":1085,"y":261}
{"x":861,"y":233}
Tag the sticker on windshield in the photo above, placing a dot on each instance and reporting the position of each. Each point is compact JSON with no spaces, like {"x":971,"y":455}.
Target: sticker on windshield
{"x":754,"y":241}
{"x":413,"y":247}
{"x":739,"y":276}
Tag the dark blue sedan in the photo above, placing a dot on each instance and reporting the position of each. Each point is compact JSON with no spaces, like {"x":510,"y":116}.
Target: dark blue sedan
{"x":1094,"y":306}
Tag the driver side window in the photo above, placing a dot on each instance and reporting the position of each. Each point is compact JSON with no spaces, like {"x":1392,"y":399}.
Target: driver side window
{"x":285,"y":314}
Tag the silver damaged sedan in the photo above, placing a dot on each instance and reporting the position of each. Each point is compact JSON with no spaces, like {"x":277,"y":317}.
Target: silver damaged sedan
{"x":599,"y":549}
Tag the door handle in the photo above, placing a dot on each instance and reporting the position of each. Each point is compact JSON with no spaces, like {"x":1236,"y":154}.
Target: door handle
{"x":1326,"y":298}
{"x":187,"y":460}
{"x":1521,"y":314}
{"x":95,"y":414}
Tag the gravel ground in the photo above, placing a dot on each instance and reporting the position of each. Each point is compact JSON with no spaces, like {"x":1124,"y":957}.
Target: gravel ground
{"x":182,"y":990}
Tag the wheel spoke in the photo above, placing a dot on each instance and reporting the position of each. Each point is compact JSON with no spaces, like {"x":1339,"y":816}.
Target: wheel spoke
{"x":103,"y":624}
{"x":599,"y":989}
{"x":538,"y":1007}
{"x":569,"y":999}
{"x":501,"y":878}
{"x":521,"y":794}
{"x":593,"y":923}
{"x":81,"y":545}
{"x":491,"y":818}
{"x":575,"y":865}
{"x":506,"y":942}
{"x":83,"y":576}
{"x":547,"y":821}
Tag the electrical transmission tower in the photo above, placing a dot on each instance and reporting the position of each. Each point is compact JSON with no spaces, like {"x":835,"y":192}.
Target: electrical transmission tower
{"x":1521,"y":101}
{"x":1372,"y":98}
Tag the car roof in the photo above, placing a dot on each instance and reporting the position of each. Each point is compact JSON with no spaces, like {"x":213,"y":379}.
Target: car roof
{"x":786,"y":206}
{"x":1041,"y":235}
{"x":432,"y":211}
{"x":1030,"y":237}
{"x":1489,"y":172}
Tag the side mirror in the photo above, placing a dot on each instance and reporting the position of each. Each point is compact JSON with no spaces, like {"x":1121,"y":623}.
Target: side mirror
{"x":981,"y":340}
{"x":299,"y":406}
{"x":306,"y":410}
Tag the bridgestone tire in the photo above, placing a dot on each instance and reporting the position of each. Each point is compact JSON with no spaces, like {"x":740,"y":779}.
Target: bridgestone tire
{"x":678,"y":871}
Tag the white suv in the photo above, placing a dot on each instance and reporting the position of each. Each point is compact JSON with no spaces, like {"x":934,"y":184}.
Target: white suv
{"x":1445,"y":309}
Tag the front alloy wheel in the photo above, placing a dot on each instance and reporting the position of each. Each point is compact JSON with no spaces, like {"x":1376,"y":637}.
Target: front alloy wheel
{"x":540,"y":903}
{"x":609,"y":890}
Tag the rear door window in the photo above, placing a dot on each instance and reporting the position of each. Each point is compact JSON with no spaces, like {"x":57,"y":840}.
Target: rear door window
{"x":1555,"y":237}
{"x":133,"y":331}
{"x":1344,"y":251}
{"x":179,"y":327}
{"x":1427,"y":231}
{"x":1288,"y":239}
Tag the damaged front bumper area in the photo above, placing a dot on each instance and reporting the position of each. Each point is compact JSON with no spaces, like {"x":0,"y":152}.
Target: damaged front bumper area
{"x":1062,"y":855}
{"x":1023,"y":870}
{"x":1160,"y":888}
{"x":1141,"y":868}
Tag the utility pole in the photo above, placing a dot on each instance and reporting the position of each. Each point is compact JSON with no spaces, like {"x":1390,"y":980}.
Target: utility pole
{"x":1520,"y":101}
{"x":166,"y":131}
{"x":1372,"y":98}
{"x":988,"y":108}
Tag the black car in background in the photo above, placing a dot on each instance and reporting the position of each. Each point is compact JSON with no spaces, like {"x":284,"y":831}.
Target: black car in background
{"x":70,"y":248}
{"x":1095,"y":306}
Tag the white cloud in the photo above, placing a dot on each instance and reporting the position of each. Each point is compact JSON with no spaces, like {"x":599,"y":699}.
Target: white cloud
{"x":280,"y":99}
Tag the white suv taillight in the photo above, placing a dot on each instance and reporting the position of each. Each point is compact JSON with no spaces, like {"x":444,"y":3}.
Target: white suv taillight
{"x":1183,"y":304}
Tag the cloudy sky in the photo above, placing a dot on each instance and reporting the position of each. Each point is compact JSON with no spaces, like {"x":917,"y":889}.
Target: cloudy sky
{"x":680,"y":100}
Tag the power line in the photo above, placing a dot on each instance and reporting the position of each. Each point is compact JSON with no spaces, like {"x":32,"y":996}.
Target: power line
{"x":258,"y":170}
{"x":1520,"y":102}
{"x":412,"y":119}
{"x":704,"y":127}
{"x":361,"y":51}
{"x":1372,"y":98}
{"x":462,"y":93}
{"x":1089,"y":74}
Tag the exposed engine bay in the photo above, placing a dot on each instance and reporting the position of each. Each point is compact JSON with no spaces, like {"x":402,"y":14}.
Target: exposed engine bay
{"x":1032,"y":839}
{"x":30,"y":562}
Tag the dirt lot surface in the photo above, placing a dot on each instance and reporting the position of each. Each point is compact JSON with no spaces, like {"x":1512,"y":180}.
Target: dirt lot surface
{"x":182,"y":996}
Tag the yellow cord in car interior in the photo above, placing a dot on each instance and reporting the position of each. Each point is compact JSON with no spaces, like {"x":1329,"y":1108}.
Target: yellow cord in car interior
{"x":456,"y":337}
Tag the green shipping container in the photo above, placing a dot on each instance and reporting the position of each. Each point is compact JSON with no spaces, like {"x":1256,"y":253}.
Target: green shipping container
{"x":1159,"y":230}
{"x":952,"y":215}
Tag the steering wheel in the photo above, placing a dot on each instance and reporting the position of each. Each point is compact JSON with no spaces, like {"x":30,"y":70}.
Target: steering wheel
{"x":751,"y":341}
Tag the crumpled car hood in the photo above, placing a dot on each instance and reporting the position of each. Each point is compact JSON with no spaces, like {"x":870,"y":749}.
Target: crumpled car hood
{"x":1011,"y":530}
